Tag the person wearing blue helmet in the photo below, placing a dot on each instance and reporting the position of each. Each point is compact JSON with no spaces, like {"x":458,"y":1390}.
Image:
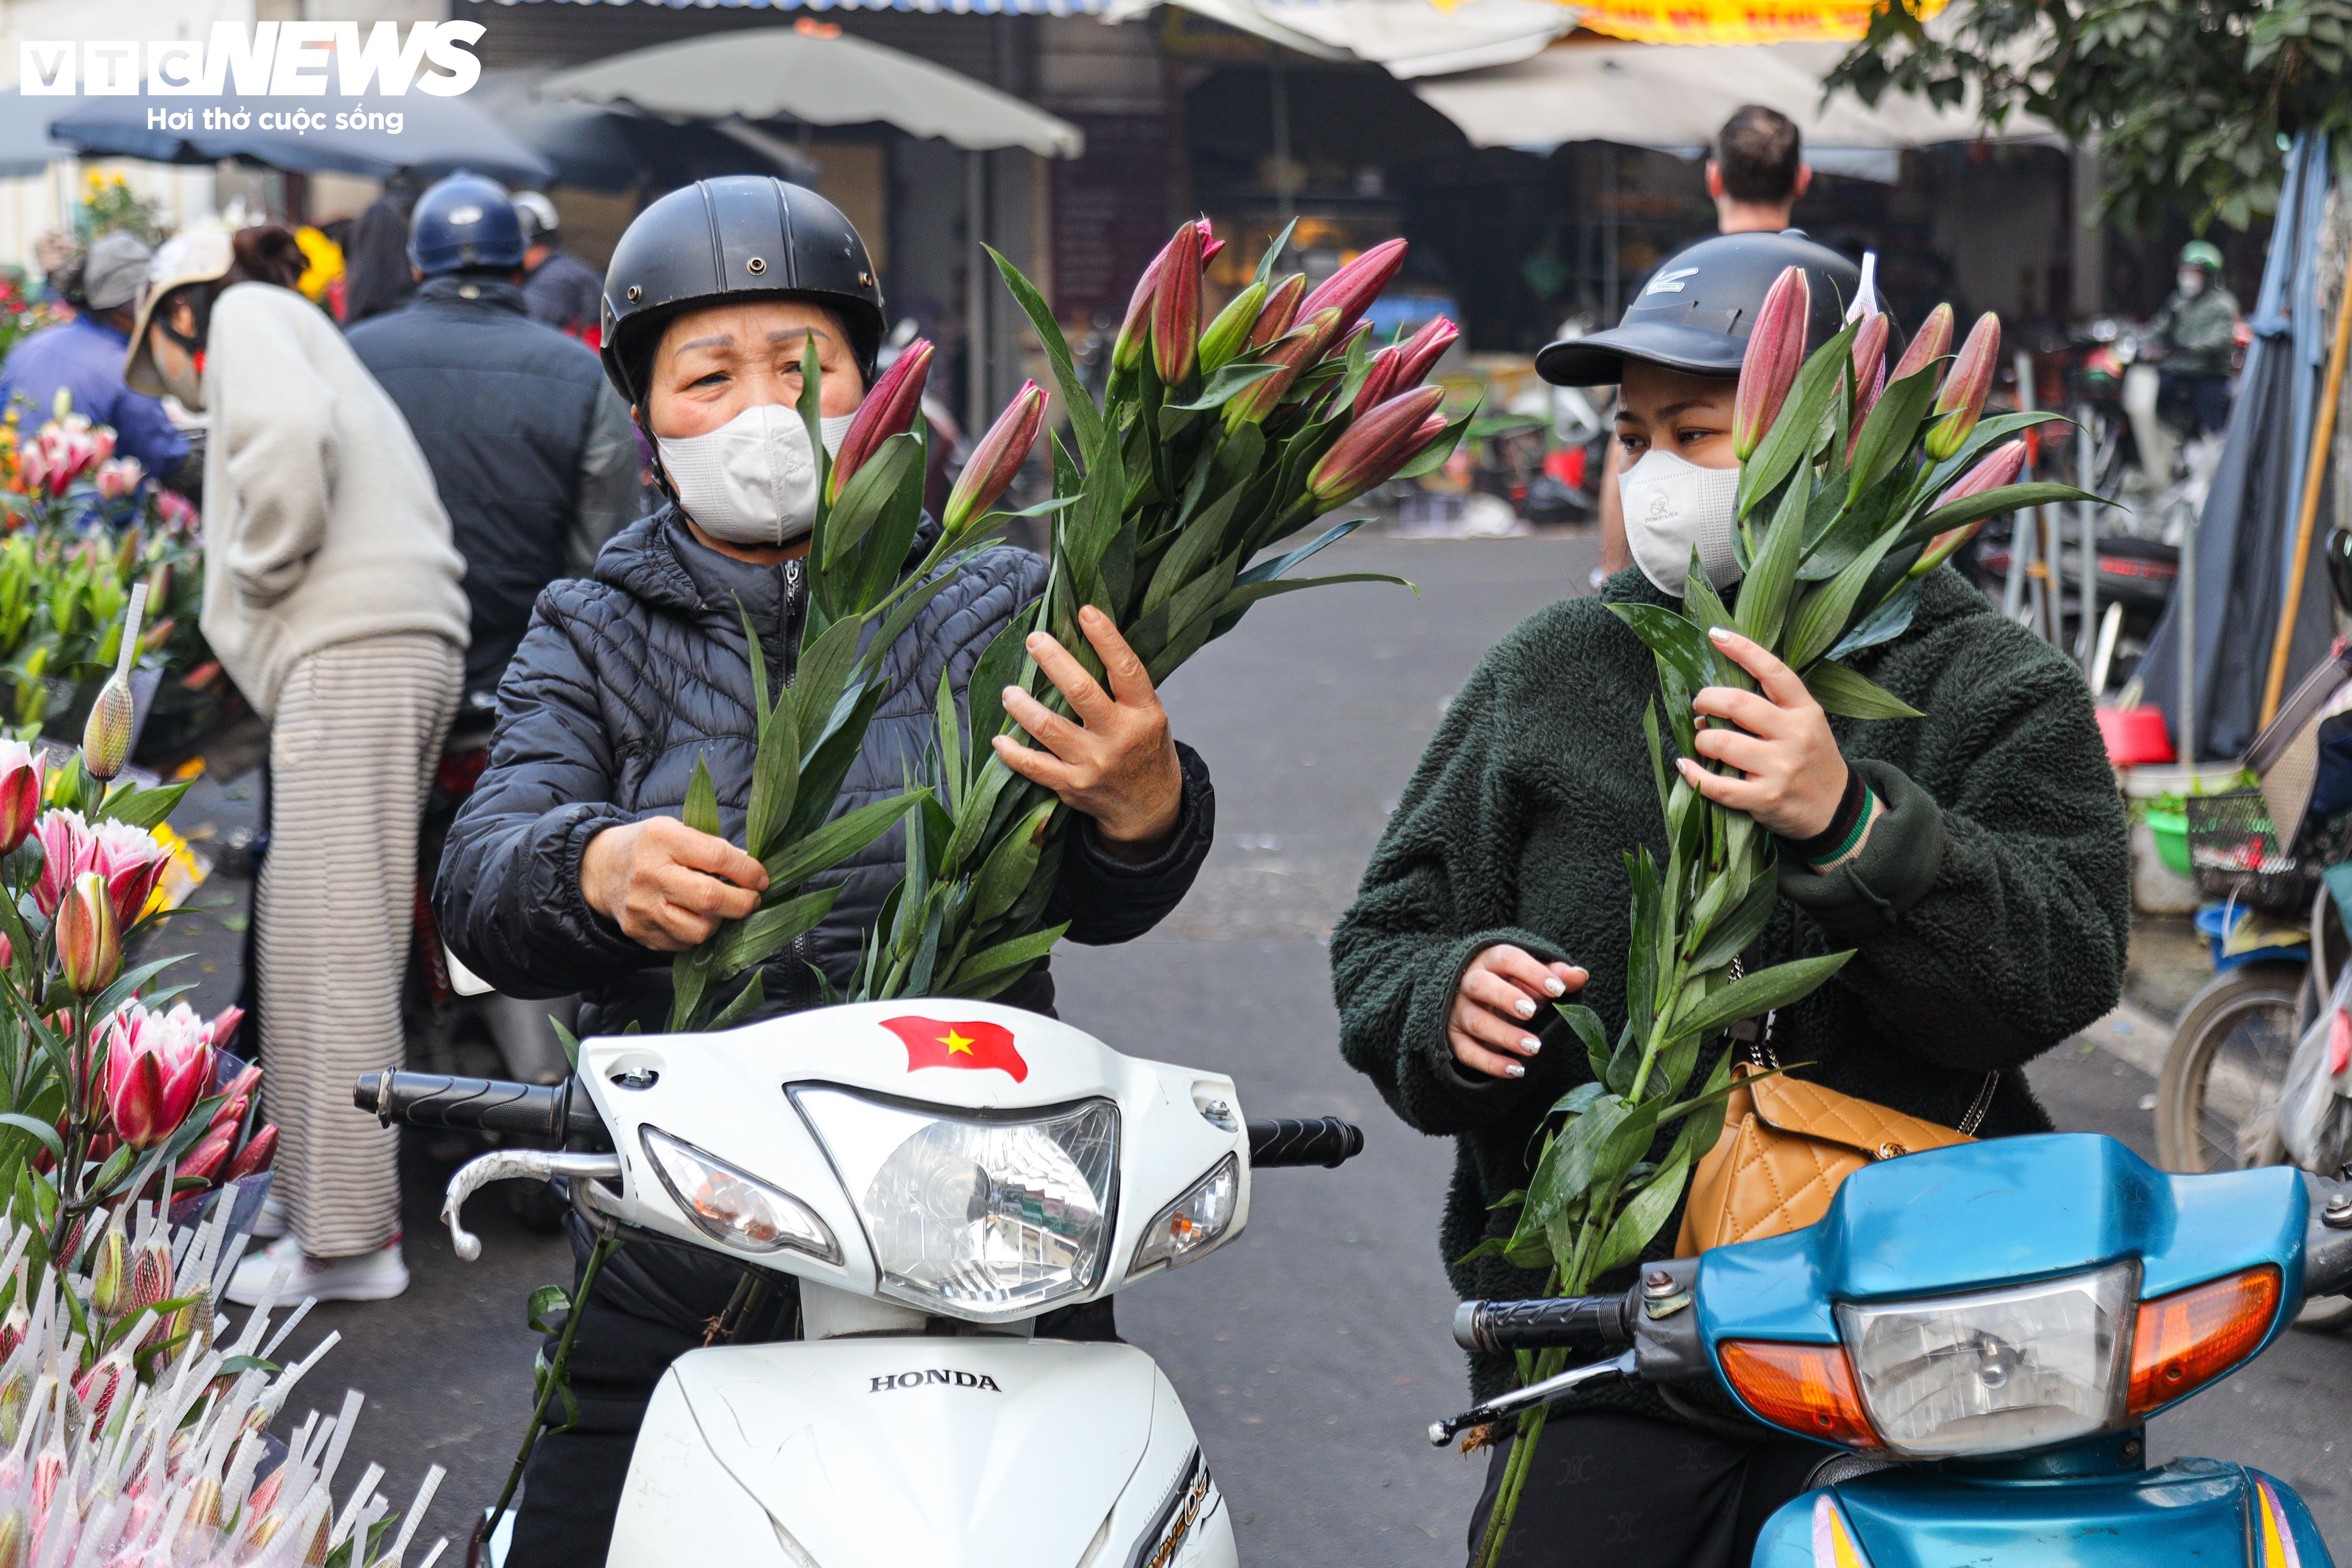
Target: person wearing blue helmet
{"x":532,"y":450}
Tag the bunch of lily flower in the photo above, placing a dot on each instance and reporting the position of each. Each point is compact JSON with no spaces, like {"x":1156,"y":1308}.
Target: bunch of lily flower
{"x":138,"y":1436}
{"x":62,"y":451}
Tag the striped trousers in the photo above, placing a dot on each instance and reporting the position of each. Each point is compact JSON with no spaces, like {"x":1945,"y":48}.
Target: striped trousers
{"x":358,"y":730}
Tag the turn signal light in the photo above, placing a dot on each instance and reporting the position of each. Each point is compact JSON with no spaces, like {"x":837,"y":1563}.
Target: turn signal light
{"x":1805,"y":1388}
{"x":2193,"y":1336}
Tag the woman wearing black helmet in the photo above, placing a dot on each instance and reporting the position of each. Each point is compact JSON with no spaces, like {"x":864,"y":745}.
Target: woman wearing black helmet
{"x":569,"y":868}
{"x":1974,"y":859}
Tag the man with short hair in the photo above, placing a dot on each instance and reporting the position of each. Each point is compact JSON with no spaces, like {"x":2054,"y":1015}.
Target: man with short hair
{"x":83,"y":359}
{"x":1756,"y":176}
{"x":558,"y":288}
{"x":533,"y":453}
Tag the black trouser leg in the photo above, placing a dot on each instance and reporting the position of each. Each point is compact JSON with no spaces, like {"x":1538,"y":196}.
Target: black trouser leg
{"x":1612,"y":1490}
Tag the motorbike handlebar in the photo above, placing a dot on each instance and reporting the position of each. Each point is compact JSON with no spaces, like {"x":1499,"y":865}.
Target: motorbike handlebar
{"x":1587,"y":1322}
{"x":1321,"y":1141}
{"x":548,"y":1111}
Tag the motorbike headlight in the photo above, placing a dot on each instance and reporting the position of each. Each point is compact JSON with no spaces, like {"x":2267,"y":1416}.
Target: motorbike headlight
{"x":735,"y":1207}
{"x":1194,"y":1222}
{"x":1996,"y":1371}
{"x":986,"y":1219}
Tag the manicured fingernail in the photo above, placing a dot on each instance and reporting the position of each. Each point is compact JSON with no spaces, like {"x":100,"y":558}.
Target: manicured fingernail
{"x":1556,"y":985}
{"x":1525,"y":1009}
{"x":1530,"y":1043}
{"x":1514,"y":1069}
{"x":1721,"y":634}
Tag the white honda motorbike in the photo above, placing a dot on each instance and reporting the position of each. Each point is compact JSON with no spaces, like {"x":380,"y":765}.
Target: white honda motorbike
{"x":936,"y":1175}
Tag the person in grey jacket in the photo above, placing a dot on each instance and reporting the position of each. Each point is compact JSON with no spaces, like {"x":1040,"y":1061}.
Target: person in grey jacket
{"x":569,"y":869}
{"x":530,"y":448}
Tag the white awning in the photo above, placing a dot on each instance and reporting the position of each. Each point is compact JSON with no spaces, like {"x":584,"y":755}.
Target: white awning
{"x":769,"y":73}
{"x":1414,"y":39}
{"x":1677,"y":97}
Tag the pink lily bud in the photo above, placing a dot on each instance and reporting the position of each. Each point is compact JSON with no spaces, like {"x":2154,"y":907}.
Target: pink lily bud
{"x":887,"y":410}
{"x":1383,"y":378}
{"x":204,"y":1161}
{"x":1176,"y":309}
{"x":224,"y":1028}
{"x":1996,"y":467}
{"x":89,"y":945}
{"x":1426,"y":347}
{"x":1354,"y":287}
{"x":1372,"y":448}
{"x":1776,"y":350}
{"x":158,"y":1065}
{"x":236,"y":1096}
{"x":1126,"y":352}
{"x":1297,"y":348}
{"x":1935,"y":337}
{"x":119,"y":476}
{"x":98,"y":1388}
{"x":1962,"y":399}
{"x":1281,"y":310}
{"x":997,"y":458}
{"x":1869,"y":350}
{"x":257,"y":1155}
{"x":23,"y":775}
{"x":1863,"y":404}
{"x":13,"y":1330}
{"x":1224,"y":339}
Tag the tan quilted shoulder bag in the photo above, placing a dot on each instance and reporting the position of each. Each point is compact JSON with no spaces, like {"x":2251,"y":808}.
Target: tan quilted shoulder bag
{"x":1787,"y":1144}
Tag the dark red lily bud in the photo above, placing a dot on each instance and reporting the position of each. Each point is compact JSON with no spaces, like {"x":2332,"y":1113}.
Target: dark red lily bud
{"x":1426,"y":347}
{"x":1300,"y":348}
{"x":1775,"y":352}
{"x":1382,"y":379}
{"x":1281,"y":310}
{"x":1355,"y":286}
{"x":1373,"y":447}
{"x":1176,"y":309}
{"x":887,"y":410}
{"x":1935,"y":337}
{"x":995,"y":459}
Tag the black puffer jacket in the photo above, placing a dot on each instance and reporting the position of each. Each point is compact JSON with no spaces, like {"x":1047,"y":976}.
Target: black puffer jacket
{"x":624,"y":678}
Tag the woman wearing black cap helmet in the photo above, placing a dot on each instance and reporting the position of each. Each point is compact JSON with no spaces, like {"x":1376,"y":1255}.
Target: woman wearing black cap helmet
{"x":569,"y":868}
{"x":1974,"y":859}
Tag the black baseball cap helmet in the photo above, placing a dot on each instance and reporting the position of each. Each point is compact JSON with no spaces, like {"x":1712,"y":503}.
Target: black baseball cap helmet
{"x":743,"y":236}
{"x":1697,"y":308}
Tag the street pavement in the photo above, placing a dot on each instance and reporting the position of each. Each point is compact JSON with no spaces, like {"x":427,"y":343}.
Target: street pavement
{"x":1311,"y":1353}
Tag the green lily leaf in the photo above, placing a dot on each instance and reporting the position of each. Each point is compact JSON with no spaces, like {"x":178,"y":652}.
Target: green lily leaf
{"x":1841,"y":692}
{"x":1751,"y":996}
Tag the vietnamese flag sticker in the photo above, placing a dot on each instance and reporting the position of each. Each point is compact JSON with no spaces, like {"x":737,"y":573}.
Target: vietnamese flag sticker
{"x":932,"y":1044}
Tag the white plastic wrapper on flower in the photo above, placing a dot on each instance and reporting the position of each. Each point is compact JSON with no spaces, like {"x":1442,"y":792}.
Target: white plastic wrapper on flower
{"x":136,"y":1437}
{"x":2315,"y":1115}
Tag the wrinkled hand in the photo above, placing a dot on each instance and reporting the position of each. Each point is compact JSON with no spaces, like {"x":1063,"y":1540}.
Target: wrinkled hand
{"x":1118,"y":763}
{"x":1795,"y":772}
{"x":1491,"y":1025}
{"x":661,"y":882}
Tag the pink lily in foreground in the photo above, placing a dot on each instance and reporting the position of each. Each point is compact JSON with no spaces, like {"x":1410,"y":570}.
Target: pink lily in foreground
{"x":1775,"y":352}
{"x":887,"y":410}
{"x":1998,"y":467}
{"x":1354,"y":287}
{"x":1374,"y":447}
{"x":995,"y":459}
{"x":1961,"y":402}
{"x":1935,"y":337}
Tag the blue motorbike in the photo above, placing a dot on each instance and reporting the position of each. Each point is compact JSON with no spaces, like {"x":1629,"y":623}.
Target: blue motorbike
{"x":1985,"y":1332}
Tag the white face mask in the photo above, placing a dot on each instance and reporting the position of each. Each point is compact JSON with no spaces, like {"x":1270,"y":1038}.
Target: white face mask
{"x":1673,"y":506}
{"x":2192,"y":282}
{"x":753,"y":480}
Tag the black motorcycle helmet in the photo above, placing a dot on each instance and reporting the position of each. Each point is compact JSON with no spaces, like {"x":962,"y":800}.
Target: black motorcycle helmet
{"x":742,"y":235}
{"x":1697,"y":308}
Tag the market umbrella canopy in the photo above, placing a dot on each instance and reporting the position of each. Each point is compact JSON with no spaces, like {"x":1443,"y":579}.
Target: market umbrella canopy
{"x":1735,"y":21}
{"x":435,"y":135}
{"x":776,"y":73}
{"x":1644,"y":95}
{"x":618,"y":146}
{"x":1407,"y":37}
{"x":26,"y":146}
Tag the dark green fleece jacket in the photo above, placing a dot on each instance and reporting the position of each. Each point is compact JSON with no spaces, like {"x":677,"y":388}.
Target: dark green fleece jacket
{"x":1988,"y":911}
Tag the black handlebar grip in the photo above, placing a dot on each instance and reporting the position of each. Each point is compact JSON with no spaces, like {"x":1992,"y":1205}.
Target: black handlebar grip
{"x":1319,"y":1141}
{"x":551,"y":1113}
{"x":1543,"y":1324}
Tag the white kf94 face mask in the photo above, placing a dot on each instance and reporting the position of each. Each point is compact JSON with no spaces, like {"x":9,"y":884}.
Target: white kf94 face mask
{"x":753,"y":480}
{"x":1673,"y":506}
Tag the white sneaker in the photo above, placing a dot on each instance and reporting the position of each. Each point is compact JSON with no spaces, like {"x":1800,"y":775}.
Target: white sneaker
{"x":271,"y":1222}
{"x":375,"y":1276}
